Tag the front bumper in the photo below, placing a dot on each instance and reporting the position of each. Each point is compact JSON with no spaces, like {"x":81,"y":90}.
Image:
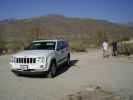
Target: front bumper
{"x":28,"y":72}
{"x":30,"y":69}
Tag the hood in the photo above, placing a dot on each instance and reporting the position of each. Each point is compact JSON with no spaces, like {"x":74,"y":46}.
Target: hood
{"x":33,"y":53}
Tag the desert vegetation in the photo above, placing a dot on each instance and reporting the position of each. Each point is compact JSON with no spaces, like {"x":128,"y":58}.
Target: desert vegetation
{"x":80,"y":32}
{"x":126,"y":47}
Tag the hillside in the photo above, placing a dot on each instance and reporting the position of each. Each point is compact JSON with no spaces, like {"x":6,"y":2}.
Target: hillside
{"x":86,"y":30}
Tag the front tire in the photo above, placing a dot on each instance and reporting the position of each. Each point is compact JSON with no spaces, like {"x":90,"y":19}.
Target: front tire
{"x":52,"y":70}
{"x":68,"y":60}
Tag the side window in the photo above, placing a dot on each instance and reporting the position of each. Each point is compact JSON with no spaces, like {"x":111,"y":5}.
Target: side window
{"x":65,"y":44}
{"x":59,"y":45}
{"x":62,"y":45}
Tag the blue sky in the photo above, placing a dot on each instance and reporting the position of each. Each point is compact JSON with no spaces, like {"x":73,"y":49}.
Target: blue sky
{"x":112,"y":10}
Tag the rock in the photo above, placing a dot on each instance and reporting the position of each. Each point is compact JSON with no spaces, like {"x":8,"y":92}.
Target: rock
{"x":116,"y":98}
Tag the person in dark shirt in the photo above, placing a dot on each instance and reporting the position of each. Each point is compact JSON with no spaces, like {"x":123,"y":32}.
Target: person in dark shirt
{"x":114,"y":48}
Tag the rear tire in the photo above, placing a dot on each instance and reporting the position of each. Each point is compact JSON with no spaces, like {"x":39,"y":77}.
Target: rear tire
{"x":52,"y":70}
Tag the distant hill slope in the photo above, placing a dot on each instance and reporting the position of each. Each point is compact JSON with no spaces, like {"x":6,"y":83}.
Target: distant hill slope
{"x":58,"y":26}
{"x":130,"y":24}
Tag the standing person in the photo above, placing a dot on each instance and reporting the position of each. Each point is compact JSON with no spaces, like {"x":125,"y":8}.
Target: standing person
{"x":114,"y":48}
{"x":105,"y":47}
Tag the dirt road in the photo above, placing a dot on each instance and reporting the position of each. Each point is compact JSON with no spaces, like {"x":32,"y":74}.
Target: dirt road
{"x":115,"y":74}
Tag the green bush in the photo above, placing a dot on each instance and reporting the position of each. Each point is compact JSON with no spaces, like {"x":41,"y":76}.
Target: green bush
{"x":125,"y":48}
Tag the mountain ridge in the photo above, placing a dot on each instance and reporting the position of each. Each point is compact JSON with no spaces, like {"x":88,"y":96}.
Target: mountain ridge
{"x":60,"y":26}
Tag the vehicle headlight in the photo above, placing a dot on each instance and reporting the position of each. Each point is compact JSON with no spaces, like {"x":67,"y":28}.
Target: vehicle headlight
{"x":40,"y":59}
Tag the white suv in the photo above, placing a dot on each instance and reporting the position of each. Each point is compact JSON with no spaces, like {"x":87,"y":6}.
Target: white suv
{"x":42,"y":56}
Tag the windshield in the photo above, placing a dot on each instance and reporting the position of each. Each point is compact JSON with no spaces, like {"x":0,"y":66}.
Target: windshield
{"x":42,"y":46}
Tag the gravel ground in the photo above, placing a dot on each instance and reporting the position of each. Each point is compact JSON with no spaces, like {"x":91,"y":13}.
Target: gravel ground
{"x":113,"y":74}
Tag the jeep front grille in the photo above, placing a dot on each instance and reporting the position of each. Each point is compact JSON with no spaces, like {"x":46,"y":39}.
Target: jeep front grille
{"x":25,"y":60}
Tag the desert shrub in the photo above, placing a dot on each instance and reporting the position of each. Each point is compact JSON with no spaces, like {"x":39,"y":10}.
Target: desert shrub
{"x":125,"y":48}
{"x":14,"y":46}
{"x":124,"y":39}
{"x":89,"y":43}
{"x":2,"y":44}
{"x":100,"y":37}
{"x":3,"y":49}
{"x":82,"y":44}
{"x":77,"y":46}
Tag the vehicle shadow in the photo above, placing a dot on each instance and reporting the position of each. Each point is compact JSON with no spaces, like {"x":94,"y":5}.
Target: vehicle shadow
{"x":63,"y":68}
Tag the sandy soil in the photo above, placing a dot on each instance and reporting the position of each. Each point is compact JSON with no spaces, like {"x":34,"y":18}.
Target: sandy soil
{"x":113,"y":74}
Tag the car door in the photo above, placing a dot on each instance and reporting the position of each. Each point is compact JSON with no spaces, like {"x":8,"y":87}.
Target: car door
{"x":59,"y":52}
{"x":65,"y":49}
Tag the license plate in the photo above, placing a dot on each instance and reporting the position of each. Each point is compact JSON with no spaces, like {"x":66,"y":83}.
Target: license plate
{"x":24,"y":67}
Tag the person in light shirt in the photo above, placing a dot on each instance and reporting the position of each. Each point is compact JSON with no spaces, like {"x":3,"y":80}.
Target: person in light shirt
{"x":105,"y":47}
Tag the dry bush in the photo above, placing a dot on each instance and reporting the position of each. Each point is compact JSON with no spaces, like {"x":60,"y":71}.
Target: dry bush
{"x":125,"y":49}
{"x":77,"y":46}
{"x":14,"y":47}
